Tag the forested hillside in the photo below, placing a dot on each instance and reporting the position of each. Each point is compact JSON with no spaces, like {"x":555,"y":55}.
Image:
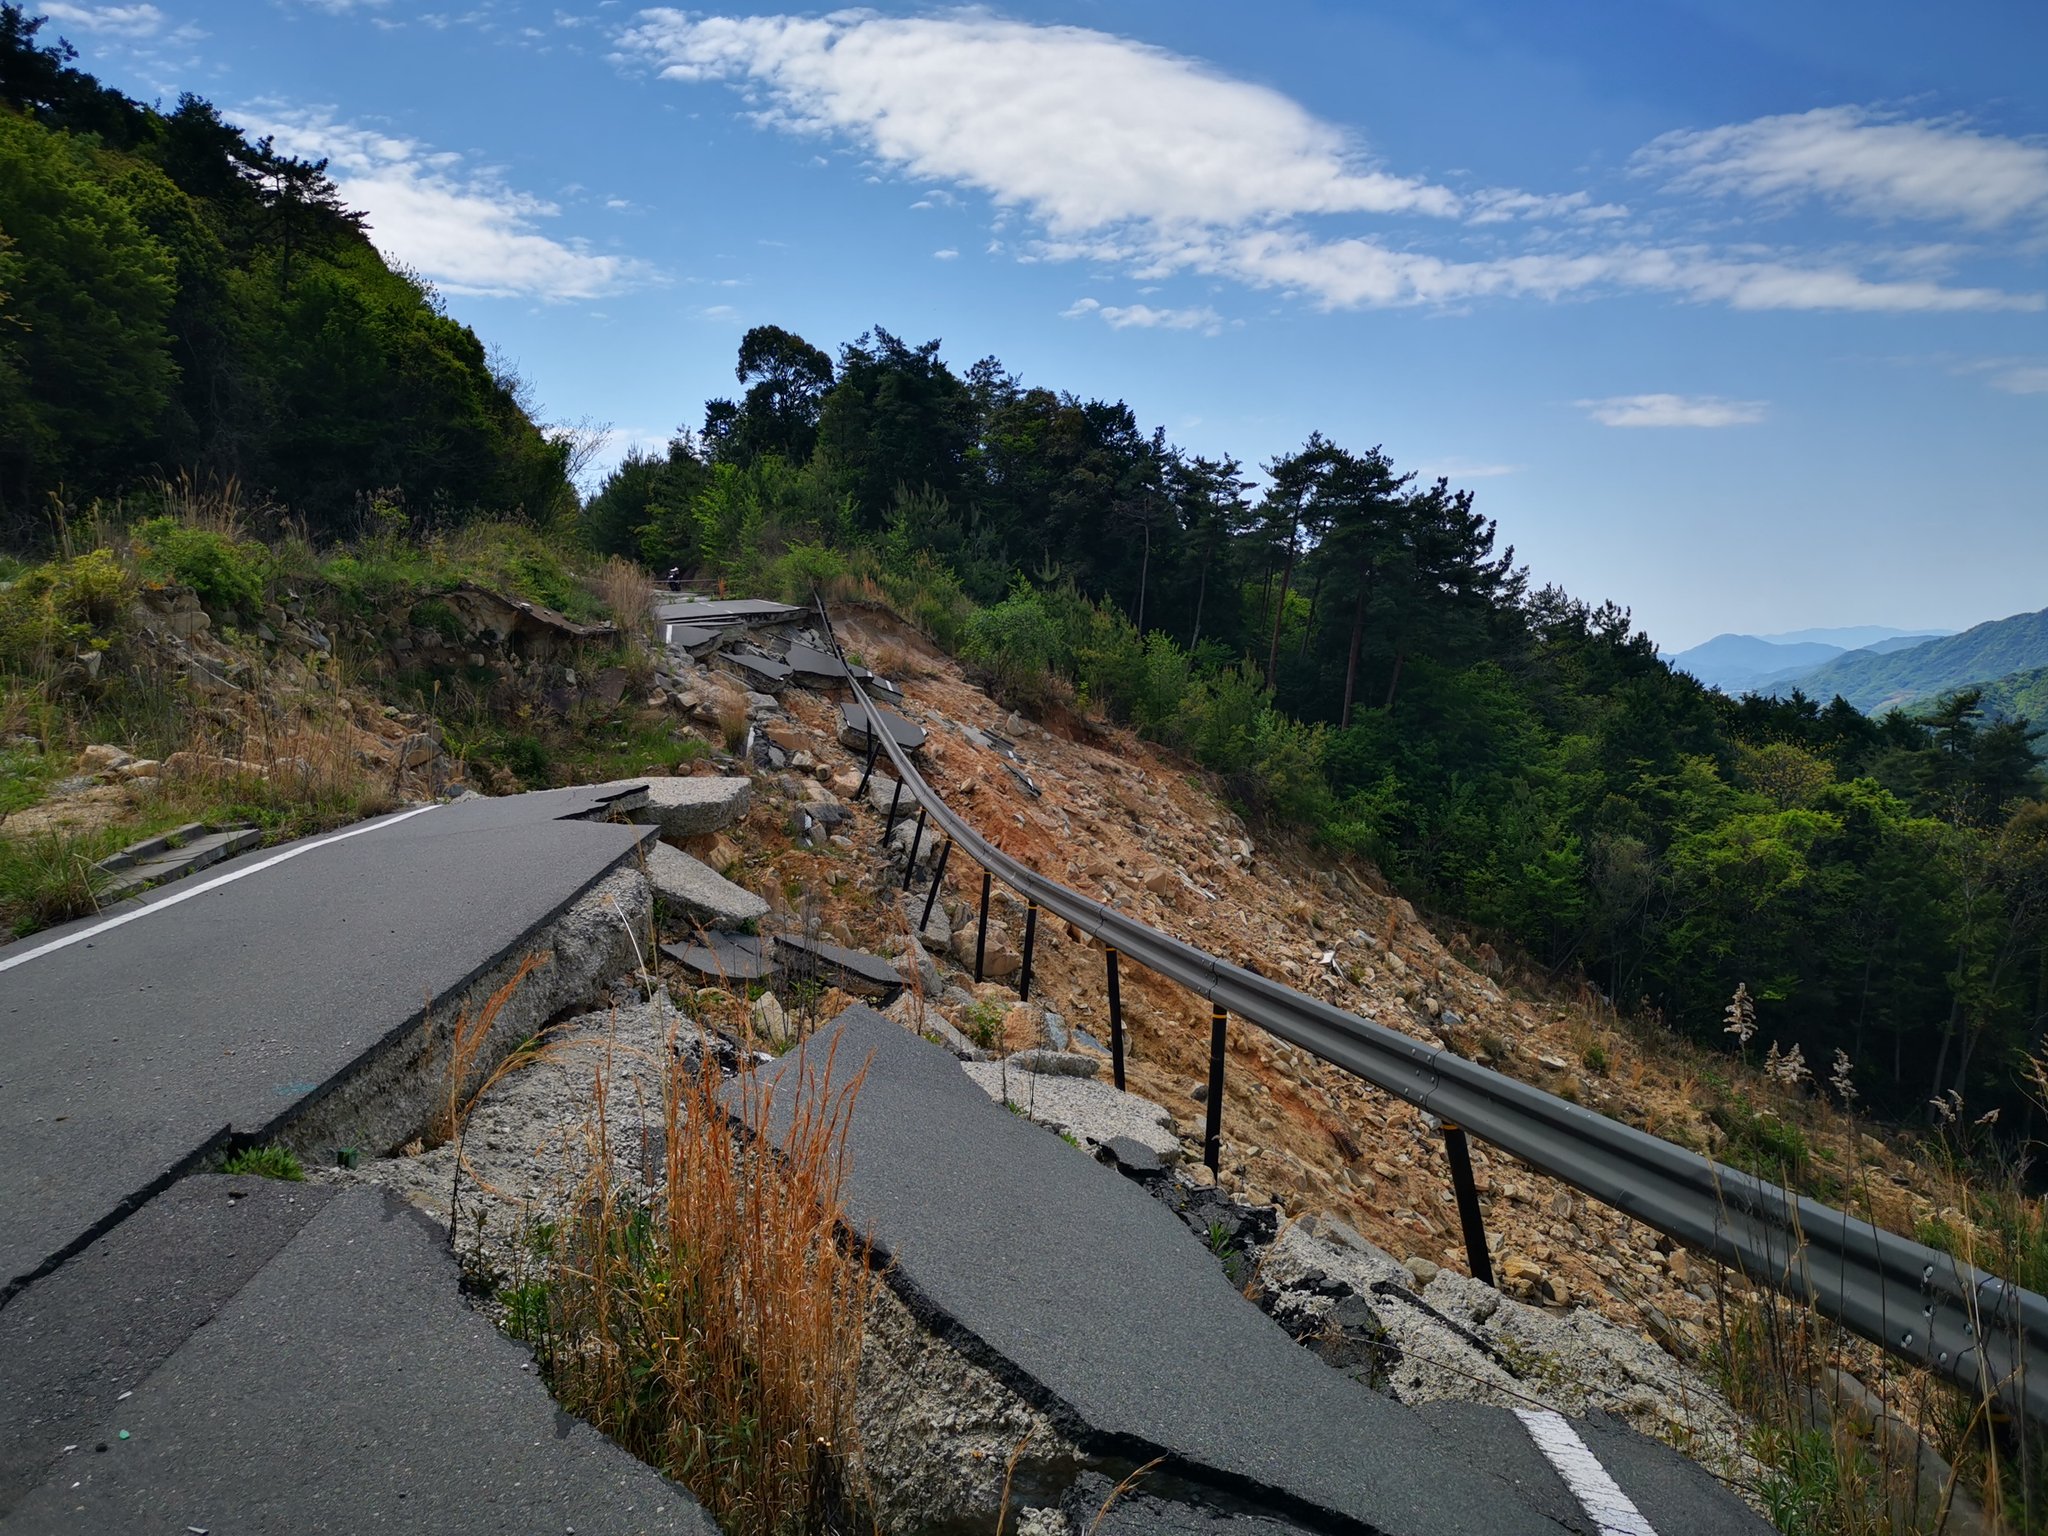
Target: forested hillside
{"x":1356,"y":653}
{"x":1872,"y":680}
{"x":178,"y":300}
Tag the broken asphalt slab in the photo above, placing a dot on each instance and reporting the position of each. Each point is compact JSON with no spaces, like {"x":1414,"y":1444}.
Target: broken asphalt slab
{"x":681,"y":806}
{"x":722,"y":958}
{"x":347,"y":1387}
{"x":79,"y":1337}
{"x":138,"y":1042}
{"x":719,"y":613}
{"x":853,"y":728}
{"x":1089,"y":1297}
{"x":689,"y":886}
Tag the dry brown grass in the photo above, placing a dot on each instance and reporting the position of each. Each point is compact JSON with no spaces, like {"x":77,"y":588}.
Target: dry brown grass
{"x":712,"y":1325}
{"x":624,"y":589}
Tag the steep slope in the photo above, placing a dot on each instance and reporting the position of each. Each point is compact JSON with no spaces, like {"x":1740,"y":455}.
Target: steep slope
{"x":1874,"y":682}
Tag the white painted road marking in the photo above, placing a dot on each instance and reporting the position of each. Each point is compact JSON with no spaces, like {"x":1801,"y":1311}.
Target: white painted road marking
{"x":290,"y":851}
{"x":1612,"y":1511}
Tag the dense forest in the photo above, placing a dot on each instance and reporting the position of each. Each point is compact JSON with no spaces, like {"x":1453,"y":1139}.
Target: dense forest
{"x":1347,"y":645}
{"x":1351,"y":647}
{"x":178,"y":300}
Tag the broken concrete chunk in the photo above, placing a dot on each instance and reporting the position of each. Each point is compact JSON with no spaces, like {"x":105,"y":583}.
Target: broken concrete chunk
{"x":691,"y":807}
{"x":688,"y":886}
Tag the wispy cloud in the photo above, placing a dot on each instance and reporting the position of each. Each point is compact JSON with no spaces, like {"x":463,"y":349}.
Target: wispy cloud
{"x":1116,"y":152}
{"x":948,"y":254}
{"x":1860,"y":161}
{"x":464,"y":228}
{"x":1121,"y":317}
{"x":1673,"y":411}
{"x":132,"y":22}
{"x":2014,"y":375}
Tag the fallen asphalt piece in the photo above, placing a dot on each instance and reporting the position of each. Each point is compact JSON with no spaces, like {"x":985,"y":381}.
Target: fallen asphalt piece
{"x":812,"y":667}
{"x":1085,"y":1294}
{"x":853,"y":969}
{"x":726,"y":957}
{"x":1088,"y":1297}
{"x":139,"y":1041}
{"x":697,"y":891}
{"x":346,"y":1387}
{"x":853,"y":728}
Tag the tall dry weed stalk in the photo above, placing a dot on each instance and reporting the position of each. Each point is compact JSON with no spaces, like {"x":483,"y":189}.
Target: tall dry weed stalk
{"x":712,"y":1323}
{"x":625,"y":590}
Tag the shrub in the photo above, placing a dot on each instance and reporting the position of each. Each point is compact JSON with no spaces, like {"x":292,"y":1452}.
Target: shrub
{"x":229,"y":577}
{"x":1016,"y":644}
{"x":802,"y":569}
{"x":53,"y":610}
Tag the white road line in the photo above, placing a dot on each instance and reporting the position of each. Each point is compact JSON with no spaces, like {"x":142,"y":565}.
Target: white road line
{"x":186,"y":893}
{"x":1613,"y":1512}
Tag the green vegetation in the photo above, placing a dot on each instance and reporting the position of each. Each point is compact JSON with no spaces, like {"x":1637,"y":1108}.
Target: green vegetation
{"x":1876,"y":680}
{"x":173,"y":293}
{"x":266,"y":1163}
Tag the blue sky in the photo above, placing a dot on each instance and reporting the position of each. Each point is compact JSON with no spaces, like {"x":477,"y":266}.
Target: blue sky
{"x":1734,"y":313}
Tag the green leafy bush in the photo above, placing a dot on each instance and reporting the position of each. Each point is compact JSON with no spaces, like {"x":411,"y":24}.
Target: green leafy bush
{"x":59,"y":608}
{"x":228,"y":576}
{"x":1016,"y":643}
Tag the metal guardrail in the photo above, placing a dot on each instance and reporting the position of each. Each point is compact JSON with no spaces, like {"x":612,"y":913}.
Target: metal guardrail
{"x":1922,"y":1305}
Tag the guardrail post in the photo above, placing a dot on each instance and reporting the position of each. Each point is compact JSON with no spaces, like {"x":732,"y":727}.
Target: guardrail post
{"x":916,"y":839}
{"x":938,"y":879}
{"x":1030,"y":939}
{"x":868,"y":772}
{"x":1212,"y":1129}
{"x":889,"y":824}
{"x":981,"y":929}
{"x":1460,"y":1154}
{"x":1116,"y":1021}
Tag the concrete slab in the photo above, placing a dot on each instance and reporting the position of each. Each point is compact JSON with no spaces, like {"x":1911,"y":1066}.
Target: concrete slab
{"x":690,"y":807}
{"x":143,"y":866}
{"x":348,"y":1388}
{"x":863,"y":974}
{"x":1089,"y":1296}
{"x":813,"y":667}
{"x":689,"y":886}
{"x":74,"y":1341}
{"x":751,"y":611}
{"x":853,"y":728}
{"x":723,"y":958}
{"x":761,"y":674}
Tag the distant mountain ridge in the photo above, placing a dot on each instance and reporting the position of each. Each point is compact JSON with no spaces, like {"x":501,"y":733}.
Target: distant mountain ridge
{"x":1988,"y":653}
{"x":1752,"y":663}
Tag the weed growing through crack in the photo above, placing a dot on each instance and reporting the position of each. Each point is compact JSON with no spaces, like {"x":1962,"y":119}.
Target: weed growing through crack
{"x":266,"y":1163}
{"x":711,"y":1322}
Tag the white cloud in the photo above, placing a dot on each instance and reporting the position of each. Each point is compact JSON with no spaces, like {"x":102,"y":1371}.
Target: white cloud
{"x":465,"y":230}
{"x":1466,"y":469}
{"x":949,"y":254}
{"x":1146,"y":317}
{"x":1085,"y":130}
{"x":1122,"y":154}
{"x":126,"y":21}
{"x":1860,"y":161}
{"x":2014,"y":375}
{"x":1673,"y":411}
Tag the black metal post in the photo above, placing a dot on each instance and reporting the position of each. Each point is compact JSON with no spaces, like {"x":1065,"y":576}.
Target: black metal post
{"x":938,"y":879}
{"x":1212,"y":1129}
{"x":1116,"y":1021}
{"x":1030,"y":938}
{"x":981,"y":931}
{"x":868,"y":772}
{"x":916,"y":840}
{"x":889,"y":825}
{"x":1460,"y":1154}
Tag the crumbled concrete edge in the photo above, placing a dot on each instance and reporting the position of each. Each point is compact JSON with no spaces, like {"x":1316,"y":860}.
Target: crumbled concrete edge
{"x":937,"y":1431}
{"x":388,"y":1096}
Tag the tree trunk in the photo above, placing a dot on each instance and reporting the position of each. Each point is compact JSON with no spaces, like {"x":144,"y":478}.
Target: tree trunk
{"x":1201,"y":592}
{"x":1351,"y":665}
{"x":1144,"y":575}
{"x":1308,"y":630}
{"x":1394,"y":682}
{"x":1280,"y":612}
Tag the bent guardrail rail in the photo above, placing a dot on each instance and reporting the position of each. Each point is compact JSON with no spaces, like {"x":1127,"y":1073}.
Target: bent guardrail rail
{"x":1925,"y":1306}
